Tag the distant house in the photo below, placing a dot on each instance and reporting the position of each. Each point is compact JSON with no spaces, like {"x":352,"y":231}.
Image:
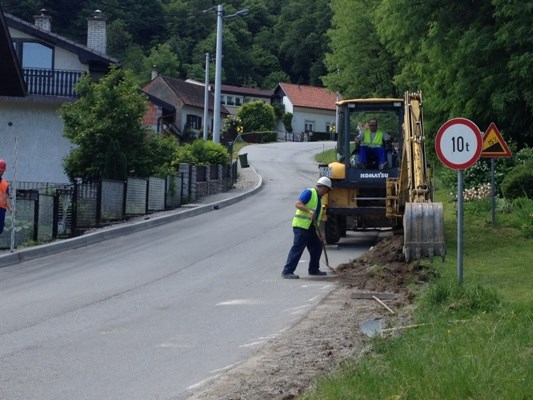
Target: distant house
{"x":51,"y":66}
{"x":177,"y":106}
{"x":313,"y":108}
{"x":232,"y":97}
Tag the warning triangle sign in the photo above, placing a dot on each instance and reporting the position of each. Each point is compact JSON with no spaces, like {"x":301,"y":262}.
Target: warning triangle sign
{"x":493,"y":143}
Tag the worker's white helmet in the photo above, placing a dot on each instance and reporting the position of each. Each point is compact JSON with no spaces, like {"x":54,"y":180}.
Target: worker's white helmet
{"x":324,"y":181}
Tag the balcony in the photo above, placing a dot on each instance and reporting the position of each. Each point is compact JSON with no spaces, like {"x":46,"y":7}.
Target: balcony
{"x":49,"y":82}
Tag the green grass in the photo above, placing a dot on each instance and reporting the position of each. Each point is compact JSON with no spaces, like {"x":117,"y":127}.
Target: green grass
{"x":237,"y":146}
{"x":326,"y":156}
{"x":477,"y":338}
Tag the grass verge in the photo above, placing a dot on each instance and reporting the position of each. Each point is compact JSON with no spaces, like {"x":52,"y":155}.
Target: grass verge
{"x":475,"y":340}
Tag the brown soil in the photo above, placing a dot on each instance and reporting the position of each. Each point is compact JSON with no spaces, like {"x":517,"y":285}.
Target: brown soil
{"x":288,"y":366}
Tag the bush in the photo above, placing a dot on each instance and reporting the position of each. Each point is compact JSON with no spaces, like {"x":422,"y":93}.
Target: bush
{"x":287,"y":121}
{"x":202,"y":152}
{"x":270,"y":137}
{"x":256,"y":116}
{"x":522,"y":216}
{"x":519,"y":182}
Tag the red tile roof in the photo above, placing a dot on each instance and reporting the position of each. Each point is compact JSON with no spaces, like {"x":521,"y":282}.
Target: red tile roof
{"x":309,"y":96}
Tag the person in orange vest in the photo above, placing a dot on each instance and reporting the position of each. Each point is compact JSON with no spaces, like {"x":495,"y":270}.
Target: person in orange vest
{"x":304,"y":227}
{"x":372,"y":141}
{"x":5,"y":201}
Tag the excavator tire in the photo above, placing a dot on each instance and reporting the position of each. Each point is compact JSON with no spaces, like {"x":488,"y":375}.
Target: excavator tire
{"x":423,"y":228}
{"x":341,"y":222}
{"x":332,"y":230}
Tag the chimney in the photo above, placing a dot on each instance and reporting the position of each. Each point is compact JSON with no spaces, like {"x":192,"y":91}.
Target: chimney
{"x":155,"y":73}
{"x":97,"y":33}
{"x":43,"y":21}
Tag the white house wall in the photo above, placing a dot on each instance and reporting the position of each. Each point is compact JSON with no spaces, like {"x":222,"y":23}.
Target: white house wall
{"x":321,"y":119}
{"x":188,"y":110}
{"x":34,"y":142}
{"x":63,"y":59}
{"x":289,"y":108}
{"x":68,"y":61}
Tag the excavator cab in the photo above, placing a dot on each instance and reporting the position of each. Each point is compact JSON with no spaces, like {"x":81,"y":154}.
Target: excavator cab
{"x":388,"y":187}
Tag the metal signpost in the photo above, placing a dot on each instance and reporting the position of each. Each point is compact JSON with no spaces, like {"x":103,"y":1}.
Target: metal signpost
{"x":494,"y":146}
{"x":459,"y":145}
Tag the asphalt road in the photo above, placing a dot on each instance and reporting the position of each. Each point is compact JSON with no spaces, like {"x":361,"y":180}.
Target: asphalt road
{"x":157,"y":313}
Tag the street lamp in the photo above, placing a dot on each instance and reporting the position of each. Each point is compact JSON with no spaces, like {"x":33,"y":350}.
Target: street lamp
{"x":218,"y":67}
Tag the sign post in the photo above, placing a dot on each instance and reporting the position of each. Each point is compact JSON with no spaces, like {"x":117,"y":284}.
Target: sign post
{"x":494,"y":146}
{"x":459,"y":146}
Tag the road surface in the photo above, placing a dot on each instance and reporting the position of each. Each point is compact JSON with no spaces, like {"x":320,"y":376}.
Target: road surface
{"x":157,"y":314}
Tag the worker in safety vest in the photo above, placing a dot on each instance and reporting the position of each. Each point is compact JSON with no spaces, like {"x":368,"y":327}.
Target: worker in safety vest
{"x":371,"y":140}
{"x":305,"y":226}
{"x":5,"y":202}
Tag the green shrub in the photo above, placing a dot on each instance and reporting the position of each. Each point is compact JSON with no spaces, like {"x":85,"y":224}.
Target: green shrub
{"x":287,"y":121}
{"x":202,"y":152}
{"x":475,"y":176}
{"x":185,"y":155}
{"x":519,"y":182}
{"x":522,"y":216}
{"x":270,"y":137}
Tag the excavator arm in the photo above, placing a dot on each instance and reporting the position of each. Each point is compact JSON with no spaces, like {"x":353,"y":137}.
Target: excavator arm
{"x":410,"y":195}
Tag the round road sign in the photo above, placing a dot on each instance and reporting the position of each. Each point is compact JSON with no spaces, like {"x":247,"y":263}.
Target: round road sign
{"x":459,"y":143}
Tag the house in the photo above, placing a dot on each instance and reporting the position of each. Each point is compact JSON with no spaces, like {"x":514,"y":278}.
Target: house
{"x":232,"y":97}
{"x":177,"y":106}
{"x":51,"y":65}
{"x":313,"y":108}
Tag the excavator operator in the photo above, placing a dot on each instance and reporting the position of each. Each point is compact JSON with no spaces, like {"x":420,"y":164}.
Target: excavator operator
{"x":371,"y":141}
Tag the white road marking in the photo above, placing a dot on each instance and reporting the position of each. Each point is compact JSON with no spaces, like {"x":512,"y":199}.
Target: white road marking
{"x":239,"y":302}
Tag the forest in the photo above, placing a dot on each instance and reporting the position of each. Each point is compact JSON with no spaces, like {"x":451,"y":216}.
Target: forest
{"x":470,"y":58}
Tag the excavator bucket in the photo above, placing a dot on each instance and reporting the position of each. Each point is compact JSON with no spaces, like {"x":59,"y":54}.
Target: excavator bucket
{"x":423,"y":227}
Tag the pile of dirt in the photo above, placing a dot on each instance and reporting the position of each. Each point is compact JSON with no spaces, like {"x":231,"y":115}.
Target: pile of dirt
{"x":288,"y":366}
{"x":383,"y":269}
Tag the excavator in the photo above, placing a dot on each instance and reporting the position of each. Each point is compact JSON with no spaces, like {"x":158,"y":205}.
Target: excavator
{"x":397,"y":194}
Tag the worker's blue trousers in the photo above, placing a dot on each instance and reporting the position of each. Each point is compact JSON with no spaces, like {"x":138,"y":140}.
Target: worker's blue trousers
{"x":304,"y":238}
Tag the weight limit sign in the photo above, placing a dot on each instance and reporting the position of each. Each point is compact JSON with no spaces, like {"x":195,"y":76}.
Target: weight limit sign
{"x":459,"y":143}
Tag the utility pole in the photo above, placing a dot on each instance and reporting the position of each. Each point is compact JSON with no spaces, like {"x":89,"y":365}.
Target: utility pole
{"x":206,"y":97}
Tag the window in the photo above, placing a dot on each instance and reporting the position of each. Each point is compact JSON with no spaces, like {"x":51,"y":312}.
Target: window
{"x":194,"y":121}
{"x":229,"y":101}
{"x":35,"y":55}
{"x":238,"y":101}
{"x":309,"y":126}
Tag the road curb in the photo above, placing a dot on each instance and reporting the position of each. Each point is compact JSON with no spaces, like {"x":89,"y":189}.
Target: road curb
{"x":29,"y":253}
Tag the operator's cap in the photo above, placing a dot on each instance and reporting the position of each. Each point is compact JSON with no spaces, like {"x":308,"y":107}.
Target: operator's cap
{"x":325,"y":181}
{"x":3,"y":165}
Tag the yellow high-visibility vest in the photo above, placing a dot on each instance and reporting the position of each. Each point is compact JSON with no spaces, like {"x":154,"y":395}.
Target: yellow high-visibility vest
{"x":302,"y":219}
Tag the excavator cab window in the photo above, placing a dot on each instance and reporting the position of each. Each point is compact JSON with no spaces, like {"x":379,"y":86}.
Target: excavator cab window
{"x":356,"y":119}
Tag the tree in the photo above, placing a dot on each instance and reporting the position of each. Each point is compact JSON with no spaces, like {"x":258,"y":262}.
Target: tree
{"x":256,"y":116}
{"x":105,"y":125}
{"x":165,"y":61}
{"x":358,"y":63}
{"x":301,"y":29}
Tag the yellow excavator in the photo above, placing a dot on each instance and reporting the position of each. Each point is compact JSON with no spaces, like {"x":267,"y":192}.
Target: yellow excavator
{"x":395,"y":194}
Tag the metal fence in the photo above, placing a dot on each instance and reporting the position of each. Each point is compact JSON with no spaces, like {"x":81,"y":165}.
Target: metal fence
{"x":47,"y":211}
{"x":51,"y":82}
